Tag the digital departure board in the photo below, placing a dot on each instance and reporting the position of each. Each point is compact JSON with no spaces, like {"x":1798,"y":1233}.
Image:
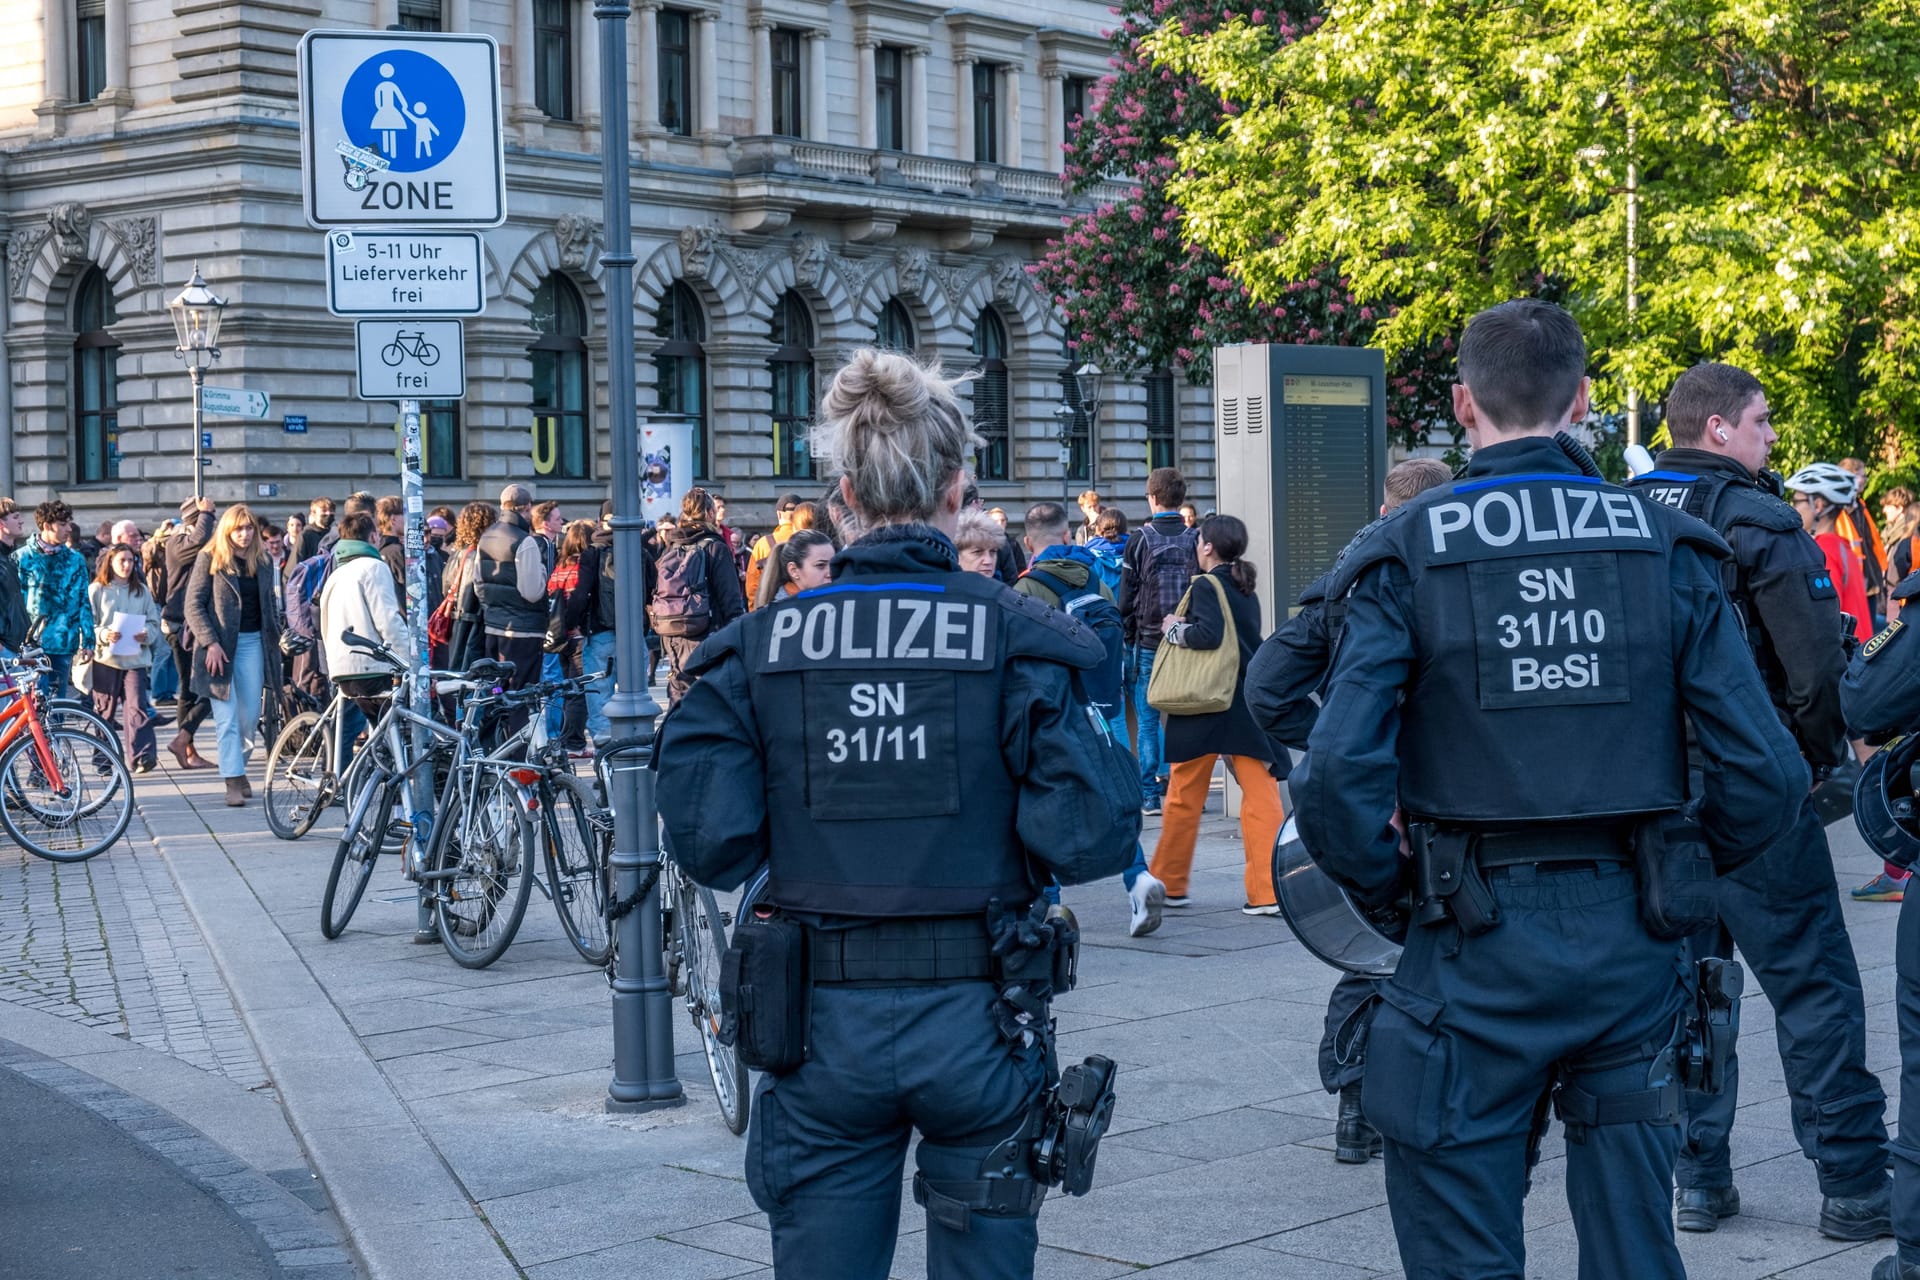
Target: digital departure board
{"x":1300,"y":434}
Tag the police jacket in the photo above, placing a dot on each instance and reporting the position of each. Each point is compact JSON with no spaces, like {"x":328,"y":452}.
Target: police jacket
{"x":510,"y":579}
{"x":1778,"y":582}
{"x":1520,"y":648}
{"x":1880,"y":692}
{"x":1289,"y":668}
{"x":904,"y":742}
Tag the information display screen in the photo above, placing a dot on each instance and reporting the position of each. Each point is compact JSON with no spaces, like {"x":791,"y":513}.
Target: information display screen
{"x":1327,"y":460}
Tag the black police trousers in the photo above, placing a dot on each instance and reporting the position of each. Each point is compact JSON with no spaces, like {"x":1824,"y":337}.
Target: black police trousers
{"x":1568,"y":989}
{"x":1905,"y":1149}
{"x":828,"y":1143}
{"x":1343,"y":1043}
{"x":1783,"y":911}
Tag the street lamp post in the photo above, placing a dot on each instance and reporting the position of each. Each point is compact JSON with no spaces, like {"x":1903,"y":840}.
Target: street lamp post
{"x":643,"y":1076}
{"x":1087,"y":380}
{"x":1063,"y":413}
{"x":196,"y":326}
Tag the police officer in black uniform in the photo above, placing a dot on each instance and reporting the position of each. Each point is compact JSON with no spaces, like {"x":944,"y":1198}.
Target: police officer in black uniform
{"x":1881,"y":698}
{"x":1287,"y":671}
{"x":1783,"y":910}
{"x":1518,"y":653}
{"x":906,"y":748}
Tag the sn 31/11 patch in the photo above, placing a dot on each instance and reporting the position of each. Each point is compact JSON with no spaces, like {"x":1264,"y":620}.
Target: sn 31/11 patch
{"x":1549,"y":632}
{"x":881,"y":744}
{"x":1882,"y":639}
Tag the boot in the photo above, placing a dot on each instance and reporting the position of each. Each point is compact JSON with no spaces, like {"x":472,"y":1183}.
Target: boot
{"x":1891,"y":1268}
{"x":1865,"y":1217}
{"x":1354,"y":1140}
{"x":246,"y":787}
{"x":1701,"y":1208}
{"x":182,"y":749}
{"x":236,"y":792}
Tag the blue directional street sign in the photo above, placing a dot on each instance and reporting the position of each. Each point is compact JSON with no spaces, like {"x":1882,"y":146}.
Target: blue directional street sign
{"x":401,"y":127}
{"x":206,"y":439}
{"x":294,"y":424}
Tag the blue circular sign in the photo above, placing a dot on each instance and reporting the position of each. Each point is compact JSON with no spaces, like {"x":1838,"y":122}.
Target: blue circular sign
{"x":404,"y":107}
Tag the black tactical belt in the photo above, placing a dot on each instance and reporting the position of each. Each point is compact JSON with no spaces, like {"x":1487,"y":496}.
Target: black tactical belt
{"x":1549,"y":846}
{"x":901,"y":951}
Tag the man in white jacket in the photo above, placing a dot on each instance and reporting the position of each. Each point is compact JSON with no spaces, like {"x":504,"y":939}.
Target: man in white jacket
{"x":359,"y":595}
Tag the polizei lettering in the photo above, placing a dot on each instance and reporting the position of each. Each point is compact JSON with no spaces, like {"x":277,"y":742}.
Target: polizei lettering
{"x":1533,"y":519}
{"x":836,"y":627}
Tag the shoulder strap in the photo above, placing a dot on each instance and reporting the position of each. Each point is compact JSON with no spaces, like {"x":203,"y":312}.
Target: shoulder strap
{"x":1229,"y":634}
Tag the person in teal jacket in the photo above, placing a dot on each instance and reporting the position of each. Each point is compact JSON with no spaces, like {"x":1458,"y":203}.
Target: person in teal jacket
{"x":54,"y":578}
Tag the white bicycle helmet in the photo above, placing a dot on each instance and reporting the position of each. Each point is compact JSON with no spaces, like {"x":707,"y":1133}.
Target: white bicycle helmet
{"x":1836,"y":484}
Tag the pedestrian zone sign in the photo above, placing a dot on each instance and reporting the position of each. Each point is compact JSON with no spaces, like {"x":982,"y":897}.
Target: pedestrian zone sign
{"x":401,"y":127}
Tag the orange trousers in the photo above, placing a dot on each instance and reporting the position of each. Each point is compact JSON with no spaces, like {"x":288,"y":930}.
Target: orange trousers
{"x":1260,"y":819}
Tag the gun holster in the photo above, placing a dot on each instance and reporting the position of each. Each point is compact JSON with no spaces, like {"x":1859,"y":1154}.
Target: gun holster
{"x":1078,"y":1112}
{"x":1713,"y":1026}
{"x":1448,"y":883}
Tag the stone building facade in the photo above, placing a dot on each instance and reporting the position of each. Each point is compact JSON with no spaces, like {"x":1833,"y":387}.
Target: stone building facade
{"x":809,"y":176}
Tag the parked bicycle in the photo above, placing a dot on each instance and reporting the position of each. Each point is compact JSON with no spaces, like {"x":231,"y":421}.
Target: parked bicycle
{"x":65,"y":791}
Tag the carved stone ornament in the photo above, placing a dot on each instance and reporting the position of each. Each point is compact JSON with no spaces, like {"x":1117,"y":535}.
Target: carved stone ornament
{"x":69,"y":222}
{"x":809,"y":259}
{"x":1009,"y":276}
{"x":696,"y":251}
{"x":576,"y":235}
{"x":139,"y":240}
{"x":22,"y":248}
{"x":910,"y":265}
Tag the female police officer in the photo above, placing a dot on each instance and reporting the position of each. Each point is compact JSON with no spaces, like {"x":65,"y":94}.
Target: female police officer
{"x":904,"y":747}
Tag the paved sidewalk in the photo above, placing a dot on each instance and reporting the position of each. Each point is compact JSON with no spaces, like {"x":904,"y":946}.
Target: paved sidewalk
{"x":455,"y":1117}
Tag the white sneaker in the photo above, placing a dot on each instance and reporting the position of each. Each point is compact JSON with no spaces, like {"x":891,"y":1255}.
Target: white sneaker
{"x":1147,"y":897}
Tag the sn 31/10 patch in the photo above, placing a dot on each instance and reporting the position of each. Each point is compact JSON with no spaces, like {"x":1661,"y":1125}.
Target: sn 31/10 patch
{"x":1549,"y":632}
{"x":1882,"y":639}
{"x":881,"y":744}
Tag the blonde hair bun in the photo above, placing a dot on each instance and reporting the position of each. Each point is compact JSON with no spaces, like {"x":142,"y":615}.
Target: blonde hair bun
{"x":896,"y":430}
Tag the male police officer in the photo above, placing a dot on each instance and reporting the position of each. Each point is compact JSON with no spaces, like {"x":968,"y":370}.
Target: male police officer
{"x":906,"y":749}
{"x":1289,"y":668}
{"x":1881,"y":698}
{"x":1518,"y":652}
{"x":1783,"y":910}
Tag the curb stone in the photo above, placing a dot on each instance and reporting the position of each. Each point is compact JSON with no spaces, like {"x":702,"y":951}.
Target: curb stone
{"x":290,"y":1222}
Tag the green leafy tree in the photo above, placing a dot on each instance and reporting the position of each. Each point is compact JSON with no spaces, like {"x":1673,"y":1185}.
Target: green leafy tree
{"x":1450,"y":154}
{"x":1136,"y":292}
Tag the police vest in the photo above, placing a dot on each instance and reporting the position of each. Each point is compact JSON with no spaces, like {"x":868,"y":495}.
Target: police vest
{"x":496,"y":580}
{"x":878,"y":701}
{"x":1544,"y":690}
{"x":1724,"y":503}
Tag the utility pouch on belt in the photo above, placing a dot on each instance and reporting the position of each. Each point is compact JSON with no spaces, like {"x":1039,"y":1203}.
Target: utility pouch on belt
{"x":1675,"y":868}
{"x":1448,"y":884}
{"x":763,"y":991}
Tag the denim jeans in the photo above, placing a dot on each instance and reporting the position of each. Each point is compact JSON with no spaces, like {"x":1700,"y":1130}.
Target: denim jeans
{"x":54,"y":684}
{"x":1149,"y":750}
{"x":237,"y":716}
{"x":551,"y":668}
{"x":598,"y":656}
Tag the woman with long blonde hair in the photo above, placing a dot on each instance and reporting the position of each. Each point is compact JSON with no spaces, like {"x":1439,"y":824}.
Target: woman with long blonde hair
{"x":233,"y":625}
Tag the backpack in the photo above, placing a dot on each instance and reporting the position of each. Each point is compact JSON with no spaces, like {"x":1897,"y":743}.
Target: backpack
{"x":1167,"y":565}
{"x":302,"y":594}
{"x":1101,"y":685}
{"x":1106,"y":568}
{"x":682,"y":604}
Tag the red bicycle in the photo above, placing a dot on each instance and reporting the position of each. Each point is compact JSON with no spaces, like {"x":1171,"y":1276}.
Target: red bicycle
{"x":65,"y":793}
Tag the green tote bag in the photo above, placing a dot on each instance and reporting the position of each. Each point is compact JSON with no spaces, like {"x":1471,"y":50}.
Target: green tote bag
{"x":1197,"y":682}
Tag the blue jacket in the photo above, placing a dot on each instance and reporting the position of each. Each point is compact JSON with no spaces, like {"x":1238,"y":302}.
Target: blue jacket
{"x":54,"y":579}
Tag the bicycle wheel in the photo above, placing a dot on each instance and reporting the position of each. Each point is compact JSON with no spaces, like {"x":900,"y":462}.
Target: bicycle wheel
{"x":299,"y":784}
{"x":68,"y":713}
{"x":357,"y":854}
{"x":427,"y":354}
{"x":702,"y":941}
{"x":482,"y":874}
{"x":577,"y":869}
{"x":64,"y":817}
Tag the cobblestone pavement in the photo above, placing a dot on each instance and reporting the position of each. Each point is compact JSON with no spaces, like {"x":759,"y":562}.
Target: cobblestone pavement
{"x":109,"y":943}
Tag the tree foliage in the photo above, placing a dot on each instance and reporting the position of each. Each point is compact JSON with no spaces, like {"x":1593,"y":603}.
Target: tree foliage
{"x":1136,"y":292}
{"x":1450,"y":154}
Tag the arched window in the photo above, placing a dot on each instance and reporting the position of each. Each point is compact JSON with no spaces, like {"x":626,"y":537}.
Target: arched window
{"x":990,"y":397}
{"x":792,"y":368}
{"x":680,"y":368}
{"x":96,"y":398}
{"x":894,"y":330}
{"x":562,"y":441}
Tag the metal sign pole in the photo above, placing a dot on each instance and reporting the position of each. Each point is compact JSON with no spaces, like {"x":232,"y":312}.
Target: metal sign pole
{"x":643,"y":1076}
{"x":199,"y":462}
{"x":420,"y":783}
